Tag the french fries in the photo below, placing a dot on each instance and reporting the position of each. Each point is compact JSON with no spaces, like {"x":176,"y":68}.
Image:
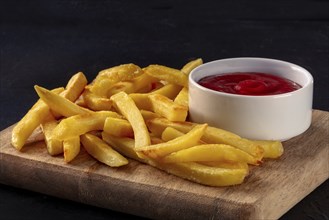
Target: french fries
{"x":187,"y":140}
{"x":80,"y":124}
{"x":140,"y":113}
{"x":33,"y":118}
{"x":96,"y":102}
{"x":124,"y":145}
{"x":71,"y":148}
{"x":108,"y":77}
{"x":143,"y":102}
{"x":182,"y":97}
{"x":207,"y":175}
{"x":272,"y":149}
{"x":118,"y":127}
{"x":54,"y":146}
{"x":97,"y":148}
{"x":75,"y":87}
{"x":167,"y":108}
{"x":59,"y":104}
{"x":168,"y":74}
{"x":127,"y":108}
{"x":210,"y":152}
{"x":211,"y":135}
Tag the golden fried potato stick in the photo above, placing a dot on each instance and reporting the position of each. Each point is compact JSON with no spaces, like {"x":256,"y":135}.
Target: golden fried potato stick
{"x":31,"y":120}
{"x":54,"y":146}
{"x":211,"y":152}
{"x":80,"y":124}
{"x":118,"y":127}
{"x":272,"y":149}
{"x":81,"y":102}
{"x":189,"y":139}
{"x":207,"y":175}
{"x":123,"y":145}
{"x":168,"y":74}
{"x":187,"y":68}
{"x":96,"y":102}
{"x":108,"y":77}
{"x":101,"y":151}
{"x":168,"y":108}
{"x":155,"y":140}
{"x":71,"y":148}
{"x":182,"y":97}
{"x":59,"y":104}
{"x":171,"y":133}
{"x":75,"y":87}
{"x":126,"y":106}
{"x":142,"y":99}
{"x":147,"y":115}
{"x":212,"y":135}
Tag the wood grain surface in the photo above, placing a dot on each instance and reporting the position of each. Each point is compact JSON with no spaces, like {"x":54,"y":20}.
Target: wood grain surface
{"x":267,"y":193}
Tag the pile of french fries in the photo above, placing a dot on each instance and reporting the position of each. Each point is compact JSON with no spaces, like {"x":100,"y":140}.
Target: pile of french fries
{"x":142,"y":114}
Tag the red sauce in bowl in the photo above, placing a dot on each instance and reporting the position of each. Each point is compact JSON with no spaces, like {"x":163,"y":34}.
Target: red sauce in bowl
{"x":249,"y":83}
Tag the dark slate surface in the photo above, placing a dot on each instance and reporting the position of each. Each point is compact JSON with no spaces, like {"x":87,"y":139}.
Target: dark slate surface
{"x":45,"y":42}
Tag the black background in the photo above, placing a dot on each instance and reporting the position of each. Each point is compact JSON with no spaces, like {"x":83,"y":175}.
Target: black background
{"x":45,"y":42}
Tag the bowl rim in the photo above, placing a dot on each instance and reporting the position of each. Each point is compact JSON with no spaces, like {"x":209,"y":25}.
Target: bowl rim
{"x":306,"y":74}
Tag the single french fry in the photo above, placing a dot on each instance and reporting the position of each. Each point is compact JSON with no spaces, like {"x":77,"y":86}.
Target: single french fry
{"x":182,"y":97}
{"x":187,"y":140}
{"x":156,"y":140}
{"x":207,"y":175}
{"x":168,"y":90}
{"x":81,"y":101}
{"x":187,"y":68}
{"x":71,"y":148}
{"x":272,"y":149}
{"x":101,"y":151}
{"x":167,"y":108}
{"x":168,"y":74}
{"x":60,"y":104}
{"x":75,"y":87}
{"x":30,"y":121}
{"x":171,"y":133}
{"x":124,"y":145}
{"x":126,"y":106}
{"x":147,"y":115}
{"x":210,"y":152}
{"x":118,"y":127}
{"x":108,"y":77}
{"x":80,"y":124}
{"x":54,"y":146}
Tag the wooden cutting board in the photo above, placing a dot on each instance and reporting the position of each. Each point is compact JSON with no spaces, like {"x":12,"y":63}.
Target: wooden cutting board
{"x":267,"y":193}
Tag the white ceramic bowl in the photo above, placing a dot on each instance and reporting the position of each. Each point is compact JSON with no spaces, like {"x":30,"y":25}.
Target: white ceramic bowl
{"x":271,"y":117}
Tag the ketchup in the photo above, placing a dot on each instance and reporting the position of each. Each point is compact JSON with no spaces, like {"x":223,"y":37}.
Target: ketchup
{"x":249,"y":83}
